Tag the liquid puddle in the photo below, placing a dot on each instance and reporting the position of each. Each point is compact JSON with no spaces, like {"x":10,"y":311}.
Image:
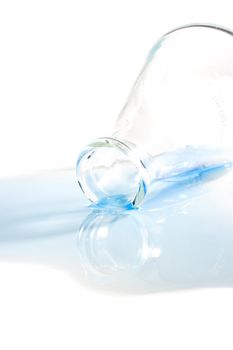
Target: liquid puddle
{"x":181,"y":238}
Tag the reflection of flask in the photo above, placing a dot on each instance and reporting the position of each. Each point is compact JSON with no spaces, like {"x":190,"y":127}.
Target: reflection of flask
{"x":178,"y":118}
{"x":185,"y":242}
{"x":100,"y":242}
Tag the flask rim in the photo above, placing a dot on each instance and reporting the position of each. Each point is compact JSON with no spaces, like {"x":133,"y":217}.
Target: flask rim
{"x":133,"y":156}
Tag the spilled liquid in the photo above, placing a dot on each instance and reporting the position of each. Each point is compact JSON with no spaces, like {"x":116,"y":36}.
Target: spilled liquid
{"x":180,"y":238}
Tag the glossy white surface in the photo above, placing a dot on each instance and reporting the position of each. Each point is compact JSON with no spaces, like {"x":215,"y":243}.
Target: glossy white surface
{"x":65,"y":70}
{"x":87,"y":277}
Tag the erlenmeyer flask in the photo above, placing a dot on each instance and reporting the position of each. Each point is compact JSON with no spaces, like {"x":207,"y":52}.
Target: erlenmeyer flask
{"x":177,"y":120}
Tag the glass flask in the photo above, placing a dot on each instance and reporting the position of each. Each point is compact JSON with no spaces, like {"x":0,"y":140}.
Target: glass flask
{"x":177,"y":121}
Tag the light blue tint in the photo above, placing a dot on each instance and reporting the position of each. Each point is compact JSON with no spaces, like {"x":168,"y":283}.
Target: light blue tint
{"x":182,"y":238}
{"x":179,"y":107}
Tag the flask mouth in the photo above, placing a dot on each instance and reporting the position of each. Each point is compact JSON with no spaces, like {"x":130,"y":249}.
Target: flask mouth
{"x":111,"y":172}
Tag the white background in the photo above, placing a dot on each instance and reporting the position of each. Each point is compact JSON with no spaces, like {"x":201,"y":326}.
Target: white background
{"x":65,"y":71}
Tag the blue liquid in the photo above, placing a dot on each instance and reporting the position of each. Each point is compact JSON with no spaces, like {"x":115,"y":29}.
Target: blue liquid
{"x":180,"y":238}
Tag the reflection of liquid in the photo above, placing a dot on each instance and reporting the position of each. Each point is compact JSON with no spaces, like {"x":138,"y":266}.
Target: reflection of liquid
{"x":182,"y":238}
{"x":184,"y":243}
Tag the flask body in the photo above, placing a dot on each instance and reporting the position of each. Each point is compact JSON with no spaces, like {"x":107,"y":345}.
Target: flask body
{"x":178,"y":118}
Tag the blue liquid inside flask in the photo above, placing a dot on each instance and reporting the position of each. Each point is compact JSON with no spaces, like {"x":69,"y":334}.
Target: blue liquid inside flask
{"x":177,"y":122}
